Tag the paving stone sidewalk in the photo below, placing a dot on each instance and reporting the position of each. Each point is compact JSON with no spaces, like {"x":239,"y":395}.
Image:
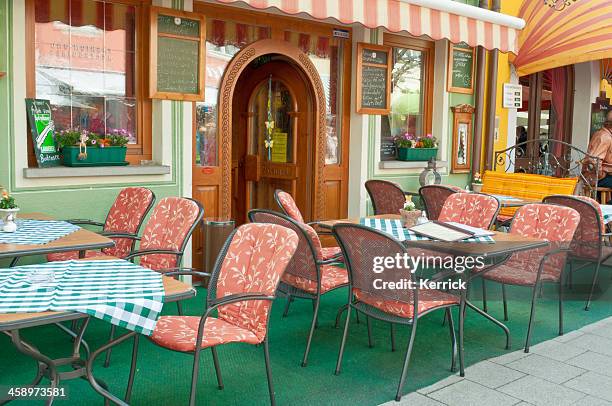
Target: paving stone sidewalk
{"x":574,"y":369}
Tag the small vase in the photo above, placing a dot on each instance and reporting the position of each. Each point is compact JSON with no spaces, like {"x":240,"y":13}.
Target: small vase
{"x":409,"y":218}
{"x":4,"y":213}
{"x":476,"y":187}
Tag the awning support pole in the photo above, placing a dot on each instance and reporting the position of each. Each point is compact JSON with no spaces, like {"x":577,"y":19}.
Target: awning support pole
{"x":481,"y":55}
{"x":492,"y":101}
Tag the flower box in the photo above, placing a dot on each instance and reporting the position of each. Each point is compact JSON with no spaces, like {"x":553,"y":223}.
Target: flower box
{"x":416,"y":154}
{"x":96,"y":156}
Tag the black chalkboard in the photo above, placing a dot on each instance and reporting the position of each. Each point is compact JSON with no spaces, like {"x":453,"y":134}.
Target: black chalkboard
{"x":374,"y":77}
{"x":461,"y":69}
{"x":178,"y":64}
{"x":374,"y":87}
{"x":599,"y":110}
{"x":387,"y":149}
{"x":177,"y":55}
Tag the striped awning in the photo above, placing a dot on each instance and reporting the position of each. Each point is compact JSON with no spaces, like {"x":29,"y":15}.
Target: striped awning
{"x":436,"y":19}
{"x":578,"y":31}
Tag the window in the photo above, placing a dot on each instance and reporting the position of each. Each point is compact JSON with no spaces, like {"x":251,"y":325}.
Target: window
{"x":85,"y":62}
{"x":411,"y":91}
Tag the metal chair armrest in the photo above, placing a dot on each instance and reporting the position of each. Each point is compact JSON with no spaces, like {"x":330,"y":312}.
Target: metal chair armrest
{"x":333,"y":260}
{"x":86,"y":222}
{"x":182,"y":271}
{"x":319,"y":229}
{"x":238,"y":297}
{"x":139,"y":253}
{"x":111,"y":234}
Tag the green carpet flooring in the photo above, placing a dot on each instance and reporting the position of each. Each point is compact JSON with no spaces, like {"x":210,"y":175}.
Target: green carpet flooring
{"x":369,"y":375}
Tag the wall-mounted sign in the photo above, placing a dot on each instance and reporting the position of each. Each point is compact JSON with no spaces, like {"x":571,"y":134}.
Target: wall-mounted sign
{"x":462,"y":138}
{"x":599,"y":110}
{"x":42,"y":130}
{"x":177,"y":55}
{"x":460,"y":78}
{"x":340,"y":33}
{"x":513,"y":96}
{"x":374,"y":65}
{"x":279,"y":147}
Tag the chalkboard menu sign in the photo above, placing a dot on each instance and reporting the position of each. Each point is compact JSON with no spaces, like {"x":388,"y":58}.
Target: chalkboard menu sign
{"x":177,"y":55}
{"x":387,"y":149}
{"x":599,"y":110}
{"x":460,"y":68}
{"x":373,"y":79}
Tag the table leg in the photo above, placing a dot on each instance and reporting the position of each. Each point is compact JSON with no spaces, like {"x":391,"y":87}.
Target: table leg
{"x":494,"y":320}
{"x":14,"y":262}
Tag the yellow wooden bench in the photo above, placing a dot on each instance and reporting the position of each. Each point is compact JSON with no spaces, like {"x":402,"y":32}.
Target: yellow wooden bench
{"x":525,"y":186}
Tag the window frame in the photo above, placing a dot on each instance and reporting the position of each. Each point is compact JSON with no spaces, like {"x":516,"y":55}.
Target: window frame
{"x":427,"y":47}
{"x":142,"y":150}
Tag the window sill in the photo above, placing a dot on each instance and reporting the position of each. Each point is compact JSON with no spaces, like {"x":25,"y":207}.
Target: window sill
{"x":70,"y":172}
{"x":409,"y":164}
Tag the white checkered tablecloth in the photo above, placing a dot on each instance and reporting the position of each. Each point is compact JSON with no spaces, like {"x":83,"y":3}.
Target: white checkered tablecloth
{"x":37,"y":231}
{"x":395,"y":228}
{"x":606,"y":210}
{"x":116,"y":291}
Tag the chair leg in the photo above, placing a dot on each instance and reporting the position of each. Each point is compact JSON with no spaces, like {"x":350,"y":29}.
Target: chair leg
{"x":339,"y":315}
{"x":194,"y":376}
{"x":392,"y":337}
{"x":217,"y":368}
{"x":312,"y":328}
{"x":179,"y":308}
{"x":342,"y":344}
{"x":269,"y":372}
{"x":398,"y":395}
{"x":505,"y":302}
{"x":369,"y":324}
{"x":451,"y":327}
{"x":313,"y":310}
{"x":561,"y":305}
{"x":357,"y":316}
{"x":570,"y":275}
{"x":534,"y":297}
{"x":462,"y":307}
{"x":595,"y":276}
{"x":130,"y":385}
{"x":484,"y":296}
{"x":111,"y":337}
{"x":287,"y":305}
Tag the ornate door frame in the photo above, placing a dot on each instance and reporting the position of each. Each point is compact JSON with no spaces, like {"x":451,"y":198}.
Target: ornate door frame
{"x":226,"y":94}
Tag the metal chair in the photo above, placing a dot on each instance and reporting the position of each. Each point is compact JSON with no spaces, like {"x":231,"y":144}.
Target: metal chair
{"x":387,"y":197}
{"x":164,"y":239}
{"x":241,"y":290}
{"x":553,"y":223}
{"x":308,"y":275}
{"x":434,"y":196}
{"x":126,"y":216}
{"x":361,"y":246}
{"x":588,"y":244}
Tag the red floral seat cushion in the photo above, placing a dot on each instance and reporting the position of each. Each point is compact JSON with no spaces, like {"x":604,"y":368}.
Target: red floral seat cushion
{"x":428,"y":299}
{"x":285,"y":200}
{"x":331,"y":278}
{"x":330,"y":252}
{"x":179,"y":333}
{"x":66,"y":256}
{"x":473,"y":209}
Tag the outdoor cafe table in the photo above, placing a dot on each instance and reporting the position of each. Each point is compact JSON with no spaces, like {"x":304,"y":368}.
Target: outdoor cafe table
{"x":499,"y":251}
{"x":80,"y":240}
{"x":12,"y":323}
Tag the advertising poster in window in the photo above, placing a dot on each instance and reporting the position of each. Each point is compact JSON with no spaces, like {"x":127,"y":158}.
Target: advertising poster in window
{"x":279,"y":147}
{"x":42,"y":129}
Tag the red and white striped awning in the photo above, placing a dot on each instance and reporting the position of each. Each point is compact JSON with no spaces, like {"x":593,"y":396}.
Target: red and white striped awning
{"x":437,"y":19}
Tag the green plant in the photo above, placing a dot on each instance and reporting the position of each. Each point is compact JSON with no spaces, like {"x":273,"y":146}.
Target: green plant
{"x":7,"y":201}
{"x":477,"y":179}
{"x":72,"y":136}
{"x":412,"y":141}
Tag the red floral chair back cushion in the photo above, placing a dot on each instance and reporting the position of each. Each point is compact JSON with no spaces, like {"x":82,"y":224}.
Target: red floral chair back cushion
{"x":472,"y":209}
{"x":287,"y":204}
{"x":255,"y":260}
{"x":387,"y":197}
{"x":168,"y":229}
{"x":556,"y":224}
{"x":434,"y":196}
{"x":588,"y":237}
{"x":125,"y":216}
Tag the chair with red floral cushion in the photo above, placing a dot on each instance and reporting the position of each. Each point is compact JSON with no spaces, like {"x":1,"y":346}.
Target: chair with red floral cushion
{"x":241,"y":291}
{"x":361,"y":247}
{"x":308,"y":275}
{"x":555,"y":224}
{"x":434,"y":196}
{"x":387,"y":197}
{"x":164,"y":239}
{"x":289,"y":207}
{"x":472,"y":209}
{"x":125,"y":216}
{"x":589,"y":245}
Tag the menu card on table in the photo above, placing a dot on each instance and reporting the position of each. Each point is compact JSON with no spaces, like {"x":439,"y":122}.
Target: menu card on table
{"x":443,"y":231}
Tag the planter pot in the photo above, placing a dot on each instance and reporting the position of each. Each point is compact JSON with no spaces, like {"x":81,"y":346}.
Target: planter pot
{"x":5,"y":212}
{"x":409,"y":218}
{"x":96,"y":156}
{"x":416,"y":154}
{"x":476,"y":187}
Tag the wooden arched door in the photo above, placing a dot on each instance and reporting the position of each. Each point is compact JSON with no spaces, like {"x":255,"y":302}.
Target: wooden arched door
{"x":273,"y":102}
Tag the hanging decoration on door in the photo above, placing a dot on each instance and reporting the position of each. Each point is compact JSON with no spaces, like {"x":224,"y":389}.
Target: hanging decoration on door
{"x":269,"y":142}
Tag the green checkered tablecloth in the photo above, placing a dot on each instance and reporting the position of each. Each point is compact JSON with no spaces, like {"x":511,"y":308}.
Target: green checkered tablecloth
{"x":116,"y":291}
{"x":396,"y":229}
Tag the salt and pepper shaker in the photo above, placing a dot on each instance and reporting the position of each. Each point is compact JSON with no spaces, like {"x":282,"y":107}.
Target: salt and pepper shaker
{"x":422,"y":219}
{"x":9,"y":224}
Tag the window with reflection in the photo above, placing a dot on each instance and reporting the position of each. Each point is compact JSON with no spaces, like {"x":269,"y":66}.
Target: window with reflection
{"x":224,"y":39}
{"x":326,"y":53}
{"x":85,"y":56}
